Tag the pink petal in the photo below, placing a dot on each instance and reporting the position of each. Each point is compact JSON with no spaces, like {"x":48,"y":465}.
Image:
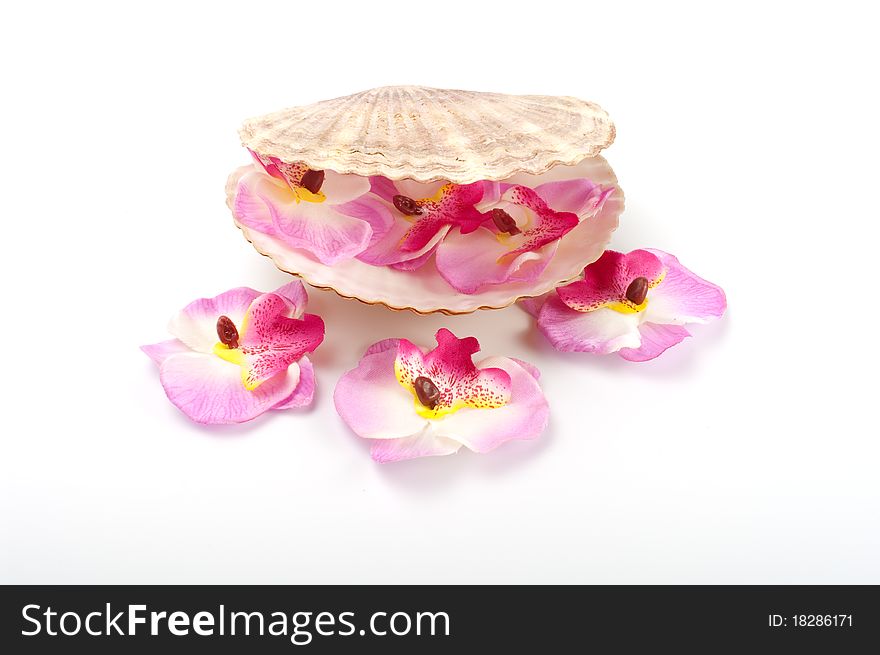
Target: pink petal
{"x":455,"y":207}
{"x":373,"y":403}
{"x":598,"y":331}
{"x":271,"y":341}
{"x":452,"y":354}
{"x":317,"y":228}
{"x":250,"y":208}
{"x":268,"y":165}
{"x":209,"y":390}
{"x":382,"y":346}
{"x":196,"y":324}
{"x":525,"y":416}
{"x":655,"y":340}
{"x":425,"y":444}
{"x":320,"y":229}
{"x":295,"y":294}
{"x":606,"y":280}
{"x":383,"y":187}
{"x":531,"y":368}
{"x":468,"y":262}
{"x":161,"y":351}
{"x":551,"y":225}
{"x":373,"y":212}
{"x":533,"y":305}
{"x":682,"y":296}
{"x":304,"y":393}
{"x":417,"y":262}
{"x":386,"y":250}
{"x":451,"y":368}
{"x":579,"y":196}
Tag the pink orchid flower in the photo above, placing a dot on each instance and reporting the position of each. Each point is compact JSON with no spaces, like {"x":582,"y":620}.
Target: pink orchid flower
{"x":483,"y":233}
{"x":324,"y":213}
{"x":421,"y":216}
{"x":522,"y":236}
{"x":412,"y":402}
{"x":634,"y":304}
{"x":240,"y":354}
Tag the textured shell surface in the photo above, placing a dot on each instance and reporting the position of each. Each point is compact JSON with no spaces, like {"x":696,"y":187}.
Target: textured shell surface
{"x":428,"y":134}
{"x":424,"y":290}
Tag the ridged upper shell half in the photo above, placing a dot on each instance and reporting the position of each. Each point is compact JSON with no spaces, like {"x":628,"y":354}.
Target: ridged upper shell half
{"x":430,"y":134}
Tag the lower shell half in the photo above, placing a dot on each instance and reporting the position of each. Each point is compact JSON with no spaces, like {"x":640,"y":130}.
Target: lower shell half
{"x":428,"y":247}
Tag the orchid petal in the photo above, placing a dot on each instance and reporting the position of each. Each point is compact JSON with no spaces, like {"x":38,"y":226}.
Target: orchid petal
{"x":304,"y":393}
{"x":453,"y":206}
{"x":683,"y":297}
{"x":424,"y":444}
{"x":469,"y":262}
{"x":272,"y":341}
{"x":524,"y":417}
{"x":161,"y":351}
{"x":373,"y":212}
{"x":373,"y":403}
{"x":656,"y":339}
{"x":416,"y":263}
{"x":316,"y":227}
{"x":579,"y":196}
{"x":451,"y":369}
{"x":600,"y":331}
{"x":386,"y":250}
{"x":209,"y":390}
{"x":533,"y":305}
{"x":550,"y":226}
{"x":606,"y":280}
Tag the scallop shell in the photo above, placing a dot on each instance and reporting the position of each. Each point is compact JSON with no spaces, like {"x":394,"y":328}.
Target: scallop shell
{"x":433,"y":134}
{"x":424,"y":290}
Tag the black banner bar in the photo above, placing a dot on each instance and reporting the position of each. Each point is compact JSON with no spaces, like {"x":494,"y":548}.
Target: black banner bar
{"x":444,"y":619}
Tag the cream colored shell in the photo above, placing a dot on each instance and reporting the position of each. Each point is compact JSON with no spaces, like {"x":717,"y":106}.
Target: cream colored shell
{"x":433,"y":134}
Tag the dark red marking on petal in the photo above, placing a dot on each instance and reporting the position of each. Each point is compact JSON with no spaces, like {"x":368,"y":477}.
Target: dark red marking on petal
{"x":637,"y":290}
{"x":312,"y":180}
{"x":406,"y":205}
{"x":227,"y":332}
{"x":427,"y":392}
{"x":504,"y":221}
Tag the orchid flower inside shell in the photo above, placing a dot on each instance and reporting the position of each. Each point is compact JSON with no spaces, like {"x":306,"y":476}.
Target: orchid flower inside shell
{"x":240,"y":354}
{"x":322,"y":212}
{"x":634,"y":304}
{"x":423,"y":214}
{"x":484,"y":233}
{"x":413,"y":402}
{"x":521,"y":238}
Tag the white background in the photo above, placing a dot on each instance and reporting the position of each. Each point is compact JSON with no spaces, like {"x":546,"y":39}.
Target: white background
{"x":747,"y":143}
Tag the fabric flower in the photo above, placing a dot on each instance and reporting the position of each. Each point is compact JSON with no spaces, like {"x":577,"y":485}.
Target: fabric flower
{"x":634,"y":304}
{"x":322,"y":212}
{"x":240,"y":354}
{"x":522,"y":236}
{"x":422,"y":216}
{"x":484,"y":233}
{"x":412,"y":402}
